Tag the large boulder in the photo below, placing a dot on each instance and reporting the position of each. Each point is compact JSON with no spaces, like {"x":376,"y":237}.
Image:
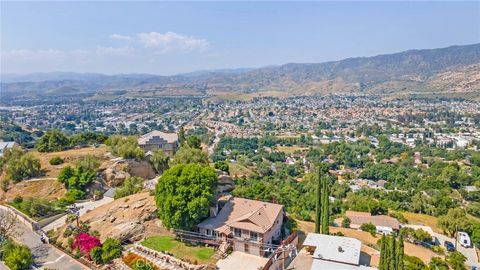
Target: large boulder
{"x":225,"y":184}
{"x":114,"y":174}
{"x":141,"y":169}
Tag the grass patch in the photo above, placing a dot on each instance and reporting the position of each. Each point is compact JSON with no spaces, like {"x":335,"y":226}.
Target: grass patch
{"x":422,"y":219}
{"x":199,"y":254}
{"x":291,"y":149}
{"x":239,"y":170}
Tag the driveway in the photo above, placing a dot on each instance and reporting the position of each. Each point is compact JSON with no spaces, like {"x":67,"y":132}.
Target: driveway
{"x":239,"y":260}
{"x":470,"y":253}
{"x":84,"y":207}
{"x":45,"y":255}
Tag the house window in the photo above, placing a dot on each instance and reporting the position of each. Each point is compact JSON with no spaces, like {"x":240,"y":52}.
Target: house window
{"x":209,"y":232}
{"x":237,"y":232}
{"x":253,"y":236}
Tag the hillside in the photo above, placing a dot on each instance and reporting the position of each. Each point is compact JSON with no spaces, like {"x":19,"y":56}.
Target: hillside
{"x":451,"y":69}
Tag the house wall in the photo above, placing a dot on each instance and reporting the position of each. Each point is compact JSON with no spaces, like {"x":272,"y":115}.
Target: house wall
{"x":249,"y":248}
{"x":275,"y":231}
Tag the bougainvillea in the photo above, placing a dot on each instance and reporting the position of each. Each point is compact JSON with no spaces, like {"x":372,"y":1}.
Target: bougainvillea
{"x":85,"y":243}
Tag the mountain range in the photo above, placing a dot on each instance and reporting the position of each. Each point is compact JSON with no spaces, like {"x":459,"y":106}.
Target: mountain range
{"x":452,"y":70}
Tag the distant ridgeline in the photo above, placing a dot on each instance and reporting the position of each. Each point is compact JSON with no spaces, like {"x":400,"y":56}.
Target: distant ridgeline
{"x":453,"y":71}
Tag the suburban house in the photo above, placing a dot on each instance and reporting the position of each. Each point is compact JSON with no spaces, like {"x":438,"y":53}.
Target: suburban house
{"x":330,"y":252}
{"x":383,"y":223}
{"x":247,"y":224}
{"x":4,"y":146}
{"x":168,"y":142}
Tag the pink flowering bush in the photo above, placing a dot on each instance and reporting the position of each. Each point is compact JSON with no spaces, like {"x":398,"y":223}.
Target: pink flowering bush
{"x":85,"y":243}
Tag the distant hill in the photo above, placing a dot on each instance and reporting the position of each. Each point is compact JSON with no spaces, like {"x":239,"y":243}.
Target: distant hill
{"x":452,"y":69}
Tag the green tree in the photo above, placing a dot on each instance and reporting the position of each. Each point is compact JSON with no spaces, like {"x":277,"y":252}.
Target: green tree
{"x":181,"y":135}
{"x":222,"y":165}
{"x":18,"y":257}
{"x":130,"y":186}
{"x":456,"y":260}
{"x":325,"y":207}
{"x":194,"y":142}
{"x":20,"y":166}
{"x":126,"y":147}
{"x":159,"y":161}
{"x":392,"y":253}
{"x":437,"y":263}
{"x":53,"y":141}
{"x":88,"y":162}
{"x":183,"y":194}
{"x":456,"y":218}
{"x":400,"y":256}
{"x":369,"y":227}
{"x":318,"y":202}
{"x":382,"y":265}
{"x":186,"y":155}
{"x":346,"y":222}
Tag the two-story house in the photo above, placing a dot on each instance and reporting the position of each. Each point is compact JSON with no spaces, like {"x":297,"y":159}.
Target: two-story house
{"x":168,"y":142}
{"x":248,"y":224}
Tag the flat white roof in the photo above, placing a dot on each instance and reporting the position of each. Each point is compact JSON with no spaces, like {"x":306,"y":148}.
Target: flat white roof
{"x":322,"y":265}
{"x":334,"y":248}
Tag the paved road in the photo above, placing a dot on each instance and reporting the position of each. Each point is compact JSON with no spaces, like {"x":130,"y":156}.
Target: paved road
{"x":45,"y":255}
{"x":468,"y":252}
{"x":84,"y":207}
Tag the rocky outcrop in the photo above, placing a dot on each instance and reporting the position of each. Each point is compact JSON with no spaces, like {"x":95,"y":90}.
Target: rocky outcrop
{"x":116,"y":173}
{"x":225,"y":184}
{"x":141,"y":169}
{"x":124,"y":219}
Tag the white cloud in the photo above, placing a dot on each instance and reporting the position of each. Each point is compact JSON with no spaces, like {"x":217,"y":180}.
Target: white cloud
{"x":126,"y":50}
{"x":172,"y":42}
{"x":120,"y":37}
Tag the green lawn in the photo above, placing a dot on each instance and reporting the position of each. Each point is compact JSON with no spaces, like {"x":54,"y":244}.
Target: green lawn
{"x":203,"y":255}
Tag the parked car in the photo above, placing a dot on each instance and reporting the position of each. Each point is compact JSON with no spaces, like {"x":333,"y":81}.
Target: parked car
{"x":464,"y":239}
{"x":449,"y":246}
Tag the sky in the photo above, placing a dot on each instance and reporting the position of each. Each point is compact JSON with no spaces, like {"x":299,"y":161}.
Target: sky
{"x":175,"y":37}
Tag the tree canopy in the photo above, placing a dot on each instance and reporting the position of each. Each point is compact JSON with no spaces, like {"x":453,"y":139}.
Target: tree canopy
{"x":53,"y":141}
{"x":187,"y":154}
{"x":183,"y":195}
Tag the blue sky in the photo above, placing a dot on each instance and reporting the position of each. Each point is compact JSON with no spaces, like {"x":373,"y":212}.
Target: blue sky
{"x":169,"y":38}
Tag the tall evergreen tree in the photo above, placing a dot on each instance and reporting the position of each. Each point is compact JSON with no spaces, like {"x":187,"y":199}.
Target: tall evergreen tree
{"x":383,"y":245}
{"x":325,"y":207}
{"x":400,"y":254}
{"x":393,"y":254}
{"x":318,"y":202}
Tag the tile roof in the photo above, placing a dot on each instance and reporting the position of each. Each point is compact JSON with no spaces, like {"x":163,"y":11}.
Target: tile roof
{"x":256,"y":216}
{"x":380,"y":220}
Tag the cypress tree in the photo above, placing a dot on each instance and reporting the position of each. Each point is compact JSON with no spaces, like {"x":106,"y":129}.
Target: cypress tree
{"x":383,"y":244}
{"x":325,"y":208}
{"x":318,"y":202}
{"x":400,"y":254}
{"x":393,"y":254}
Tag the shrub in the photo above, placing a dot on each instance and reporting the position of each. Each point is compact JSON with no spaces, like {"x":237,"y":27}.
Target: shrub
{"x":84,"y":243}
{"x":111,"y":249}
{"x":369,"y":227}
{"x":346,"y":222}
{"x":96,"y":255}
{"x":222,"y":165}
{"x":56,"y":161}
{"x":18,"y":257}
{"x":130,"y":186}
